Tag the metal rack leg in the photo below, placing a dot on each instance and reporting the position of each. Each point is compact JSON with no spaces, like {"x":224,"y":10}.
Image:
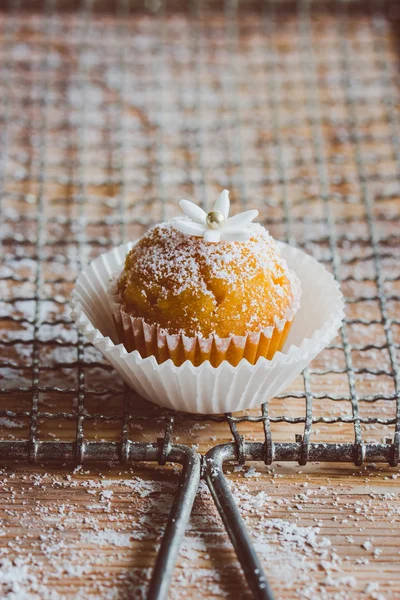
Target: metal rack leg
{"x":233,"y":522}
{"x":177,"y":521}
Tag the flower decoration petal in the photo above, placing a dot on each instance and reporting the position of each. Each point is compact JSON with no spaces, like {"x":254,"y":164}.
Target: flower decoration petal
{"x":223,"y":204}
{"x":189,"y":227}
{"x":235,"y":235}
{"x":241,"y":220}
{"x":196,"y":222}
{"x":193,"y":211}
{"x":212,"y":235}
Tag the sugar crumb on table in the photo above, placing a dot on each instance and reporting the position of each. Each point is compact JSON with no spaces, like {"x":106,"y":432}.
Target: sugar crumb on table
{"x":316,"y":538}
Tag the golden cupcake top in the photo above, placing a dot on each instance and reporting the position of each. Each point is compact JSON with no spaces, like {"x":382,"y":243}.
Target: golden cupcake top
{"x":175,"y":277}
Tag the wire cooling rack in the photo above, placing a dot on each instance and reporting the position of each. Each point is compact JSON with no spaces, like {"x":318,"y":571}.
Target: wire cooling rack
{"x":111,"y":112}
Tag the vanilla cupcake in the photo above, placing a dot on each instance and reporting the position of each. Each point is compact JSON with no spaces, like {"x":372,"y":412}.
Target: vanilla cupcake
{"x":199,"y":307}
{"x":205,"y":288}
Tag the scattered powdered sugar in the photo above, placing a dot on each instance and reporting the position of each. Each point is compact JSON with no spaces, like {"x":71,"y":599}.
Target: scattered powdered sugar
{"x":300,"y":556}
{"x":108,"y":537}
{"x":367,"y":545}
{"x":57,"y":536}
{"x":93,"y":534}
{"x":9,"y":423}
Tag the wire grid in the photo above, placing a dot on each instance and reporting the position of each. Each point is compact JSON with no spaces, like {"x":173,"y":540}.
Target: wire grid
{"x":111,"y":113}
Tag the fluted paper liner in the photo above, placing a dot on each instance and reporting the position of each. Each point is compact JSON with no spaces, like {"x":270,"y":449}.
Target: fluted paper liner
{"x":204,"y":388}
{"x":151,"y":340}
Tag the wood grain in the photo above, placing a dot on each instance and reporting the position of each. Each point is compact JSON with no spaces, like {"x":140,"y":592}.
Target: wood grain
{"x":77,"y":540}
{"x":108,"y":116}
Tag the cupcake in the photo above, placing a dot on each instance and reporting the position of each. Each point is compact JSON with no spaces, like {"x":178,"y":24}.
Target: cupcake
{"x":205,"y":287}
{"x":215,"y":295}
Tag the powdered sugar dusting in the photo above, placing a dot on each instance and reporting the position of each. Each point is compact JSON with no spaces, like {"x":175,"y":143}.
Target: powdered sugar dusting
{"x":178,"y":259}
{"x":214,"y":280}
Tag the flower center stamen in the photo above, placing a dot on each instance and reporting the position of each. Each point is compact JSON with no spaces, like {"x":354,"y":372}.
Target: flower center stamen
{"x":215,"y":219}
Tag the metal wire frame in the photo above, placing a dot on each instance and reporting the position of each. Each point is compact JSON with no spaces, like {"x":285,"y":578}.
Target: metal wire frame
{"x":377,"y":249}
{"x":241,"y":451}
{"x":332,"y":238}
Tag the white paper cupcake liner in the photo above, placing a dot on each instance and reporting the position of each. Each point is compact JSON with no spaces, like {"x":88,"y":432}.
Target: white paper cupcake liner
{"x":151,"y":340}
{"x":206,"y":389}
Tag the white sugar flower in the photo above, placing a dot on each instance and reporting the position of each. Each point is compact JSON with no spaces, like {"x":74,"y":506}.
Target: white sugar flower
{"x":215,"y":226}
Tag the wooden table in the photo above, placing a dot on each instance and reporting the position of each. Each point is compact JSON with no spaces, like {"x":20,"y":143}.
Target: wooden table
{"x":323,"y":531}
{"x":109,"y":114}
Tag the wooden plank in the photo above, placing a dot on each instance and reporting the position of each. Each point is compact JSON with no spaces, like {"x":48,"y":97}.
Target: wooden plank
{"x":323,"y":531}
{"x":107,"y":118}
